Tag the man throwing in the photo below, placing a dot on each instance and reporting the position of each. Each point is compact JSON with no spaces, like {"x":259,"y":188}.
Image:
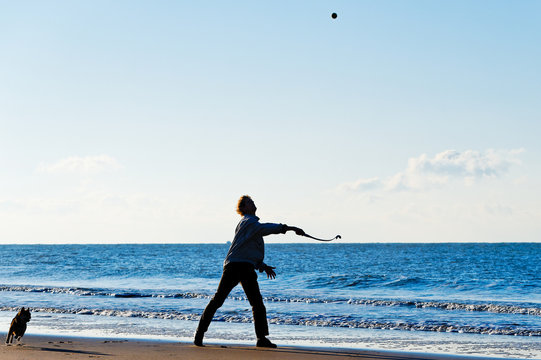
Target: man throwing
{"x":245,"y":256}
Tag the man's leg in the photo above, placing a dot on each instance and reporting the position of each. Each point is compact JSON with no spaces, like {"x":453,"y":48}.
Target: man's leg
{"x":229,"y":280}
{"x":251,"y":288}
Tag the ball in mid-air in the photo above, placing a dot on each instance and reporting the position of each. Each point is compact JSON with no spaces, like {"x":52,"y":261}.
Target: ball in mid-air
{"x":334,"y":16}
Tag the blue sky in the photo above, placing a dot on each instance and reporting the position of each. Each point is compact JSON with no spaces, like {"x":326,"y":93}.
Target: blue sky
{"x":400,"y":121}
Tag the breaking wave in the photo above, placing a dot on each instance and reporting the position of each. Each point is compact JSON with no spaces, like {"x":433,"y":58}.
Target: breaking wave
{"x":441,"y":305}
{"x":317,"y":320}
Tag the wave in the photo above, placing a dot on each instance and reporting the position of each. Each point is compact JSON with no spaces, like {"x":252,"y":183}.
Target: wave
{"x":492,"y":308}
{"x":441,"y":305}
{"x":317,"y":320}
{"x":98,"y":292}
{"x":363,"y":281}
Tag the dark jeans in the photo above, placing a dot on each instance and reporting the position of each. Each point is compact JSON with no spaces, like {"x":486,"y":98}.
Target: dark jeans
{"x":232,"y":275}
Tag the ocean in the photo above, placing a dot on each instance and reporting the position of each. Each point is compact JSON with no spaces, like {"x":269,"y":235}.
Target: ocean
{"x":474,"y":299}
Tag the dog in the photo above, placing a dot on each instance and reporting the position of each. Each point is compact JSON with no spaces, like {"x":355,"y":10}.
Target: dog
{"x":18,"y":325}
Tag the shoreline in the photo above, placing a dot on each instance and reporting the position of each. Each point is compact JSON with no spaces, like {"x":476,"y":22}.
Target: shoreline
{"x":53,"y":346}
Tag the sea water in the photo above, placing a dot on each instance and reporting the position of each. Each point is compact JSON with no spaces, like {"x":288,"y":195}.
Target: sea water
{"x":476,"y":299}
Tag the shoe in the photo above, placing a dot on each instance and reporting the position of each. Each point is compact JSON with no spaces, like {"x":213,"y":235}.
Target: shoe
{"x":265,"y":343}
{"x":198,"y":338}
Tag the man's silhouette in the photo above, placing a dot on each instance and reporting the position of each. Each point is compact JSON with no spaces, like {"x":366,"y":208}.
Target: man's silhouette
{"x":245,"y":256}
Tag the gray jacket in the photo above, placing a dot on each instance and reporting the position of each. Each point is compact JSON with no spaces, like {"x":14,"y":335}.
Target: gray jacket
{"x":248,"y":245}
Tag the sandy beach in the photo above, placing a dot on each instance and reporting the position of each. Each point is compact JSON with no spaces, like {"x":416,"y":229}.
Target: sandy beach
{"x":51,"y":347}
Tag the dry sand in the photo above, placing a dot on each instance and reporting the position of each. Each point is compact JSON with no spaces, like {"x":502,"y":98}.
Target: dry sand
{"x":50,"y":347}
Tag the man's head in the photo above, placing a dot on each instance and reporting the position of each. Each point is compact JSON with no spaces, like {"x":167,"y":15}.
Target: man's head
{"x":246,"y":206}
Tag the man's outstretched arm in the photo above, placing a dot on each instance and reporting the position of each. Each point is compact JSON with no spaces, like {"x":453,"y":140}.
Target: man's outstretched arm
{"x":270,"y":228}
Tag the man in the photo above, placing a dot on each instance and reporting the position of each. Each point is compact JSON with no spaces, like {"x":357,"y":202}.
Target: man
{"x":244,"y":257}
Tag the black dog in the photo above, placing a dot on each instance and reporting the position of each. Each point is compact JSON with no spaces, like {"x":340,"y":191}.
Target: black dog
{"x":18,"y":325}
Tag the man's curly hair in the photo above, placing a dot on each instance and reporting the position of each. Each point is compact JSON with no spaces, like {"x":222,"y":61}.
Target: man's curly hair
{"x":241,"y":203}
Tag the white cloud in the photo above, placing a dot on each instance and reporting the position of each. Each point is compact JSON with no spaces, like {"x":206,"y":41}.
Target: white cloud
{"x":80,"y":165}
{"x":423,"y":172}
{"x":467,"y":163}
{"x":362,"y":184}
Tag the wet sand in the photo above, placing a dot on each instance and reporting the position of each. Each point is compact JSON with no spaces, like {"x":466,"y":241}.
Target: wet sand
{"x":51,"y":347}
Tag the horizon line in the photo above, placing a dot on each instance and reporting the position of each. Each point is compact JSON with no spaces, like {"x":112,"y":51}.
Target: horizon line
{"x":270,"y":243}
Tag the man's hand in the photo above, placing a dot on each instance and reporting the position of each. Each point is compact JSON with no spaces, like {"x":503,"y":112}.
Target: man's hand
{"x":270,"y":272}
{"x":297,"y":230}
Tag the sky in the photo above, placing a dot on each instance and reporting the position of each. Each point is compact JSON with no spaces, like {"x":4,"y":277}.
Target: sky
{"x":145,"y":121}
